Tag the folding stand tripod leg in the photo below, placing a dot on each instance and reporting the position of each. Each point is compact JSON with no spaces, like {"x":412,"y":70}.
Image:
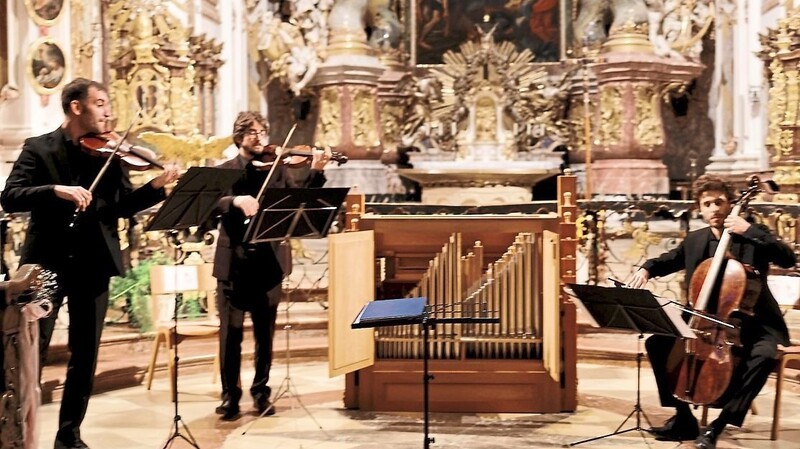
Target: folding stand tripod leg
{"x":177,"y":422}
{"x":637,"y":408}
{"x":426,"y":378}
{"x":287,"y":387}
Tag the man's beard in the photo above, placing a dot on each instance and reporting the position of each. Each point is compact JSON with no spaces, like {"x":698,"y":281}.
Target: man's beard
{"x":252,"y":152}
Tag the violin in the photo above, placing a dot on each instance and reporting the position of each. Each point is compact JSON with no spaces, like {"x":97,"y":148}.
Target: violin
{"x":295,"y":157}
{"x":134,"y":156}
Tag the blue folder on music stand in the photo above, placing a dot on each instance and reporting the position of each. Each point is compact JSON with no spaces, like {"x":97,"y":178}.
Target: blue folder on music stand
{"x":390,"y":312}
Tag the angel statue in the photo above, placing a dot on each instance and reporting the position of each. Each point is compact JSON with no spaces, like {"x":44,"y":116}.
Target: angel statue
{"x":418,"y":121}
{"x":188,"y":150}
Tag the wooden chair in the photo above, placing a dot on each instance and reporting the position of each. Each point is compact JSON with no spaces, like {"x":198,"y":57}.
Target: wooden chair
{"x":165,"y":282}
{"x":786,"y":289}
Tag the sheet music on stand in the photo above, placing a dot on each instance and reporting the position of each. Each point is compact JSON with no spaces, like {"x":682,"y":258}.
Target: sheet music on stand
{"x":630,"y":309}
{"x":194,"y":197}
{"x":295,"y":213}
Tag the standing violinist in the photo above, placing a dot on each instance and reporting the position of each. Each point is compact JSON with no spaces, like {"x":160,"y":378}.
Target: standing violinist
{"x":51,"y":180}
{"x":249,"y":277}
{"x":760,"y":336}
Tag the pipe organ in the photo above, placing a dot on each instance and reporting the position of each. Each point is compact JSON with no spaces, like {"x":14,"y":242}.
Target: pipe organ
{"x":505,"y":266}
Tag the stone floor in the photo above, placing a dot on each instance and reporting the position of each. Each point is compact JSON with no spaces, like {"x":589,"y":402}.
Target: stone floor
{"x":136,"y":418}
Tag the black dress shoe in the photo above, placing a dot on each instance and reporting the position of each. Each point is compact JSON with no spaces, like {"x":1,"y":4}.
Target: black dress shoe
{"x":707,"y":439}
{"x":77,"y":444}
{"x":677,"y":428}
{"x":262,"y":404}
{"x":229,"y":410}
{"x":232,"y":414}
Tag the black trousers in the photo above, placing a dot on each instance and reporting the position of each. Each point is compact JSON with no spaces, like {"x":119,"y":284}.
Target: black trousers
{"x":87,"y":297}
{"x":758,"y":355}
{"x":231,"y":333}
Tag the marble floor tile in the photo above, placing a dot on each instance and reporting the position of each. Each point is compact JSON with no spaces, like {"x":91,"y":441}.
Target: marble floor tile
{"x":314,"y":418}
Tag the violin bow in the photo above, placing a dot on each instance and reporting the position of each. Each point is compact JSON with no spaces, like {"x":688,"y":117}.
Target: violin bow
{"x":269,"y":175}
{"x":105,"y":166}
{"x":249,"y":222}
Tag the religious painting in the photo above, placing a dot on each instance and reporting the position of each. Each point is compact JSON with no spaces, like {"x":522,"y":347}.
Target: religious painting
{"x":44,"y":12}
{"x":442,"y":25}
{"x":46,"y":66}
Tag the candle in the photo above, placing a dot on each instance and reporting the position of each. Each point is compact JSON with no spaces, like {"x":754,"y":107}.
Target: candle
{"x":516,"y":128}
{"x":453,"y":128}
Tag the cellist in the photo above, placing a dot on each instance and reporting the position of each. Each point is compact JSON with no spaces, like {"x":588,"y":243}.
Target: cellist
{"x":752,"y":245}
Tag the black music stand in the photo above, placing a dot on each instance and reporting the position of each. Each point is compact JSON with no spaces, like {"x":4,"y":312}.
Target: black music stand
{"x":633,"y":310}
{"x":396,"y":312}
{"x":293,"y":213}
{"x":190,"y":204}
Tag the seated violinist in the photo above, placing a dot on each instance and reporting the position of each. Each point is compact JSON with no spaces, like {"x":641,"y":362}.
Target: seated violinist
{"x":72,"y":231}
{"x":249,"y":277}
{"x":753,"y":245}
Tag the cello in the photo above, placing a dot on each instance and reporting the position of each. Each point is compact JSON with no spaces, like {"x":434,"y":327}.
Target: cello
{"x":703,"y":367}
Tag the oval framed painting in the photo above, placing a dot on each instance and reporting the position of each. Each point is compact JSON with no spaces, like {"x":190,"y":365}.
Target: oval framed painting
{"x":44,"y":12}
{"x":47,"y":66}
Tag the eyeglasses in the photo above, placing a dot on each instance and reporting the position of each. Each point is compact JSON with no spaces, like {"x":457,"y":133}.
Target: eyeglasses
{"x":254,"y":132}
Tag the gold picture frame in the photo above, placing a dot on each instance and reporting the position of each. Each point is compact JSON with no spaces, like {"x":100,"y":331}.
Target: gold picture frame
{"x":45,"y":12}
{"x":46,"y":66}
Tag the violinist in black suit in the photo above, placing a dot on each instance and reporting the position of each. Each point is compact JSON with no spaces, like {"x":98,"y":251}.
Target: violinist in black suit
{"x":51,"y":179}
{"x":752,"y":245}
{"x":249,"y":277}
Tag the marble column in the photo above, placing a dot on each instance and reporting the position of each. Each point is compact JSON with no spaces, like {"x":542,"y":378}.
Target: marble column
{"x":737,"y":92}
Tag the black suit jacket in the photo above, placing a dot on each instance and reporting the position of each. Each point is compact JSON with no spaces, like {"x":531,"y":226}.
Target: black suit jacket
{"x":758,"y":247}
{"x":48,"y":160}
{"x":256,"y":268}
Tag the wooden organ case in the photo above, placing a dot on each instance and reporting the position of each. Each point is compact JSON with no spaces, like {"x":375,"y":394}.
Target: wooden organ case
{"x":513,"y":268}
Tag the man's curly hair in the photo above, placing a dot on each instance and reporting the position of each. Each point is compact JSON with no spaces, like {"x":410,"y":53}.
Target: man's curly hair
{"x":243,"y":122}
{"x":707,"y":183}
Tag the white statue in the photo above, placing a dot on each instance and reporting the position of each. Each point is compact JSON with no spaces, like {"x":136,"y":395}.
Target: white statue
{"x":348,"y":15}
{"x":292,"y":47}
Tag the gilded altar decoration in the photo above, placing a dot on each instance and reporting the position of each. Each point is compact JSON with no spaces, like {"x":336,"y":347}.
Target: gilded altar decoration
{"x":488,"y":102}
{"x":364,"y":131}
{"x":329,"y":126}
{"x":648,"y":130}
{"x":190,"y":150}
{"x":85,"y":33}
{"x":160,"y":68}
{"x":776,"y":107}
{"x":781,"y":55}
{"x":786,"y":226}
{"x":610,"y":115}
{"x":391,"y":123}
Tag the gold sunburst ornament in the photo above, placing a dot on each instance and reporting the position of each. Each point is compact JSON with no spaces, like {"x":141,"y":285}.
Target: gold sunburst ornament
{"x":187,"y":150}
